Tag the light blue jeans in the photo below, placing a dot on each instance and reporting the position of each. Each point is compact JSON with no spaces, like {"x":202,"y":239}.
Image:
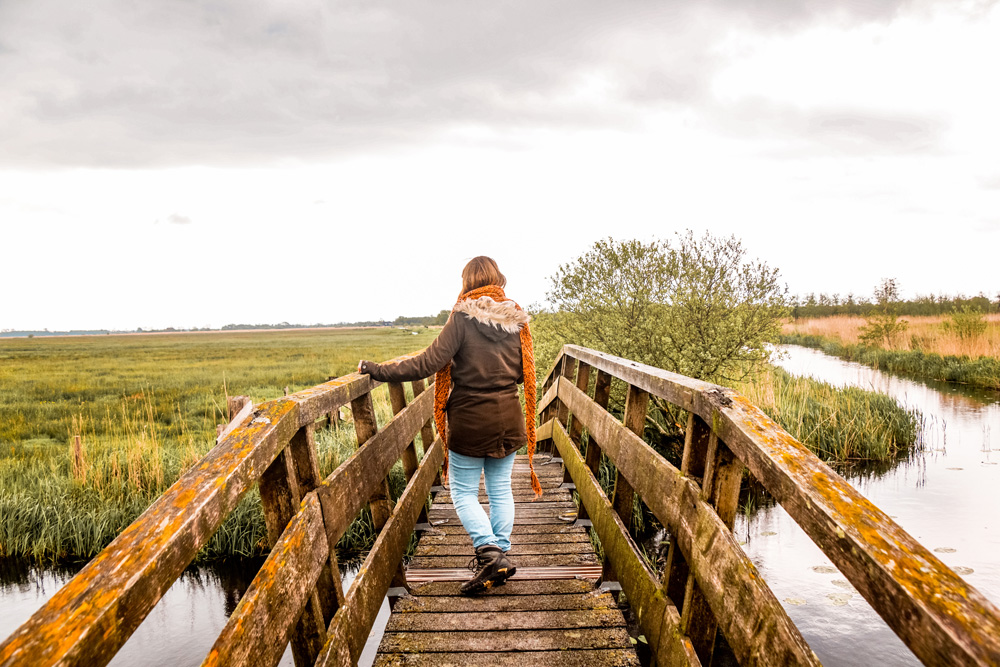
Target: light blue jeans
{"x":463,"y":478}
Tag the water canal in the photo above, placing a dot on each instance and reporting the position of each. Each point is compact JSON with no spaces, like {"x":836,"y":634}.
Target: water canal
{"x":947,"y":495}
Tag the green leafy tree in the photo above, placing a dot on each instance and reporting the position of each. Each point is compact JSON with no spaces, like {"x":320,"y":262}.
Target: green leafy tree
{"x":698,"y":307}
{"x":882,"y":325}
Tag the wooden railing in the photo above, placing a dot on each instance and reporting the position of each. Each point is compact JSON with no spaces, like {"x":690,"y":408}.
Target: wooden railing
{"x":709,"y":583}
{"x":297,"y":595}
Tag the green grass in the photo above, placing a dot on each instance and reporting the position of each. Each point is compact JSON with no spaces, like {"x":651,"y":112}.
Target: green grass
{"x":146,"y":409}
{"x":974,"y":371}
{"x":842,"y":425}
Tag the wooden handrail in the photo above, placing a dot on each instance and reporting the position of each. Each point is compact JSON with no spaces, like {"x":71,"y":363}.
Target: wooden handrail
{"x":939,"y":616}
{"x":91,"y":617}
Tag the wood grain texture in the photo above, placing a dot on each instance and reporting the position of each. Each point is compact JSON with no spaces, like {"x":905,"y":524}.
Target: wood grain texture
{"x":937,"y":614}
{"x":353,"y":621}
{"x":261,"y":625}
{"x":657,"y":617}
{"x":753,"y":621}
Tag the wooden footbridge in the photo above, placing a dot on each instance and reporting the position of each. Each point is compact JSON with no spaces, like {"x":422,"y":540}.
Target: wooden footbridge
{"x":561,"y":607}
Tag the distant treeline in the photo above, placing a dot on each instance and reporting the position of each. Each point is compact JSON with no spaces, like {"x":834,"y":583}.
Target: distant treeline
{"x":825,"y":305}
{"x":433,"y":320}
{"x":430,"y":320}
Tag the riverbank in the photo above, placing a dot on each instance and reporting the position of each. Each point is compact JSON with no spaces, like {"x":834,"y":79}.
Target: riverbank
{"x":979,"y":371}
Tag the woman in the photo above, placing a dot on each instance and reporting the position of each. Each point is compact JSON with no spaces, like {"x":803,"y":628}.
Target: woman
{"x":481,"y":355}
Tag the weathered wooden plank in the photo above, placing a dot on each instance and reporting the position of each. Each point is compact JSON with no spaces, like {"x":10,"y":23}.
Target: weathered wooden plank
{"x":281,"y":494}
{"x":551,"y":496}
{"x":940,"y":617}
{"x":697,"y":620}
{"x":329,"y":587}
{"x":323,"y":399}
{"x":595,"y":599}
{"x":452,"y":519}
{"x":260,"y":627}
{"x":540,"y":508}
{"x":427,"y":430}
{"x":567,"y":373}
{"x":657,"y":616}
{"x":88,"y":619}
{"x":454,"y":528}
{"x":511,"y":588}
{"x":353,"y":621}
{"x":576,"y":658}
{"x":634,"y":420}
{"x":540,"y":560}
{"x":475,"y":621}
{"x":515,"y":549}
{"x":344,"y":492}
{"x":503,"y":640}
{"x":516,"y":538}
{"x":752,"y":619}
{"x":397,"y":399}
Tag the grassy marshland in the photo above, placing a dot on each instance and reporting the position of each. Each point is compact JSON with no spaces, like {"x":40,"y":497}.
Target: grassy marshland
{"x":955,"y":348}
{"x":146,"y":409}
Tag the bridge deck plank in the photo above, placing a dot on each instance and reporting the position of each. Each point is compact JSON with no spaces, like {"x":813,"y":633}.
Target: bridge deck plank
{"x":557,"y":621}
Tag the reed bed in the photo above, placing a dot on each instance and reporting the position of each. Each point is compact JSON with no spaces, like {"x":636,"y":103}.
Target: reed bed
{"x":840,"y":425}
{"x":927,"y":334}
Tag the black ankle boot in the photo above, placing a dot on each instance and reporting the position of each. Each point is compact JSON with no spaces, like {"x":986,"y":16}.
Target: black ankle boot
{"x":492,"y":569}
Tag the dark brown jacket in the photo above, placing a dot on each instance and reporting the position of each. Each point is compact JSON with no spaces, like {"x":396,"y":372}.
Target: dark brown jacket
{"x":482,"y":342}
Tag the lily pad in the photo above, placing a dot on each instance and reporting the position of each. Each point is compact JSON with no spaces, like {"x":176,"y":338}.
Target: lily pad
{"x":825,"y":569}
{"x":842,"y":583}
{"x":945,"y":550}
{"x":768,"y":533}
{"x":961,"y":570}
{"x":794,"y":601}
{"x":838,"y":599}
{"x":954,"y":468}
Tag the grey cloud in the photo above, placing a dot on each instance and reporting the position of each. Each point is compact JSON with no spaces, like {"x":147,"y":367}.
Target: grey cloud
{"x":110,"y":83}
{"x":791,"y":131}
{"x":176,"y":219}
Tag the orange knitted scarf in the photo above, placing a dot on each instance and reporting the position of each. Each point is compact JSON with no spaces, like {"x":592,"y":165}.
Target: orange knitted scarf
{"x":442,"y":387}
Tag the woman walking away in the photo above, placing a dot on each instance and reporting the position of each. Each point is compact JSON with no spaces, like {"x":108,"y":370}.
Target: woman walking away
{"x":480,"y":356}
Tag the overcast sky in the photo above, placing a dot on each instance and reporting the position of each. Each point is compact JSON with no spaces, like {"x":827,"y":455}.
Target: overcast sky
{"x":201,"y":163}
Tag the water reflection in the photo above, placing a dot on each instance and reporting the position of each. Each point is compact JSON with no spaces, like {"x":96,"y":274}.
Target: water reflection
{"x":181,"y":628}
{"x":938,"y":495}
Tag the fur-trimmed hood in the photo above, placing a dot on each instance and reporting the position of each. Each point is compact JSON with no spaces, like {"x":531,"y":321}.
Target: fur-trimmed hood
{"x":494,"y":319}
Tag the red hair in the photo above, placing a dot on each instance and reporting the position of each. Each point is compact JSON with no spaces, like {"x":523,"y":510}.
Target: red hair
{"x":480,"y":272}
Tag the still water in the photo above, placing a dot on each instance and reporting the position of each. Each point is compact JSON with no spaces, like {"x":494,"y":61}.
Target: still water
{"x":947,"y":496}
{"x":181,"y":628}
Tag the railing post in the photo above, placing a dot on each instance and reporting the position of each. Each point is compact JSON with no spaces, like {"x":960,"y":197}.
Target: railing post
{"x":292,"y":474}
{"x":365,"y":426}
{"x":397,"y":398}
{"x":709,"y":461}
{"x":576,"y":430}
{"x":623,"y":498}
{"x":602,"y":394}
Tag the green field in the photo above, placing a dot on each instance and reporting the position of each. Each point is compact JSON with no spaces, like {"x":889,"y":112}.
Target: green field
{"x":146,"y":407}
